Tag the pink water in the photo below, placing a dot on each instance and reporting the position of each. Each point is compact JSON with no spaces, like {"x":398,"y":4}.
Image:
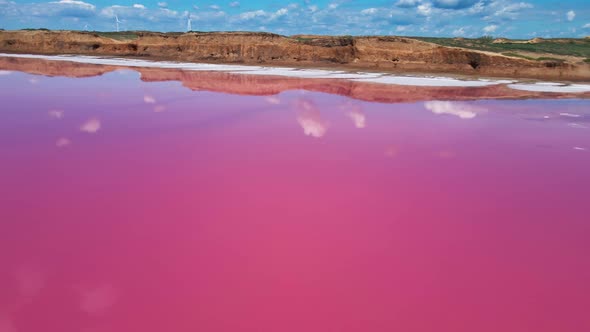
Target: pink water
{"x":133,"y":206}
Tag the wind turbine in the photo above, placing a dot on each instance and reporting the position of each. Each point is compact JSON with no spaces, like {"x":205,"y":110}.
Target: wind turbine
{"x":86,"y":27}
{"x":189,"y":27}
{"x":117,"y":22}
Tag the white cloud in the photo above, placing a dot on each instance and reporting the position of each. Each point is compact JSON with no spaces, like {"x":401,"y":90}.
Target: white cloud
{"x":63,"y":8}
{"x":234,"y":4}
{"x":333,"y":6}
{"x":369,"y":11}
{"x":162,"y":4}
{"x":279,"y":13}
{"x":570,"y":15}
{"x":586,"y":26}
{"x":506,"y":10}
{"x":139,"y":16}
{"x":407,"y":3}
{"x":459,"y":32}
{"x":91,"y":126}
{"x":252,"y":14}
{"x":459,"y":109}
{"x":215,"y":7}
{"x":425,"y":9}
{"x":138,"y":6}
{"x":76,"y":3}
{"x":490,"y":28}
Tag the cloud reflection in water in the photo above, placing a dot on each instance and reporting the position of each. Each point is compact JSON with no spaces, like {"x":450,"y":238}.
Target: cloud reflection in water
{"x":310,"y":119}
{"x":91,"y":126}
{"x":460,"y":109}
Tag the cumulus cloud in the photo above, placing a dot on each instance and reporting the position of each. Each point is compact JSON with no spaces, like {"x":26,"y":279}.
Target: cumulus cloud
{"x":137,"y":16}
{"x":504,"y":10}
{"x":425,"y":9}
{"x":459,"y":32}
{"x":459,"y":109}
{"x":234,"y":4}
{"x":139,"y":6}
{"x":310,"y":119}
{"x":252,"y":14}
{"x":369,"y":11}
{"x":63,"y":8}
{"x":586,"y":26}
{"x":91,"y":126}
{"x":570,"y":15}
{"x":162,"y":4}
{"x":490,"y":28}
{"x":279,"y":13}
{"x":407,"y":3}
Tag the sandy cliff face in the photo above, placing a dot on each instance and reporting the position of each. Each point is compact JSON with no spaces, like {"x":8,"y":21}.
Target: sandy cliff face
{"x":389,"y":54}
{"x":261,"y":85}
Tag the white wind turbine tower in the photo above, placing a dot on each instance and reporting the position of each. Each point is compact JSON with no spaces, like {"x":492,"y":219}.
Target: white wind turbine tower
{"x":117,"y":22}
{"x":189,"y":26}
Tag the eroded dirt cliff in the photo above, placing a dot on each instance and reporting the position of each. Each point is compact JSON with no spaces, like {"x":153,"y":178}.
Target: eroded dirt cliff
{"x":386,"y":54}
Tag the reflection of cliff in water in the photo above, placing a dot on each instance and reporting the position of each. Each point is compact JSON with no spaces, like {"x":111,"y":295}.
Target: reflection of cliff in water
{"x":244,"y":84}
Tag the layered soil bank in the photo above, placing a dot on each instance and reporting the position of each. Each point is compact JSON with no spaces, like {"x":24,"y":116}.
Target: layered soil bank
{"x":384,"y":54}
{"x":260,"y":85}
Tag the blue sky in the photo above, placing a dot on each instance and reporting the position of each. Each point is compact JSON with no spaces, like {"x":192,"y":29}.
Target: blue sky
{"x":466,"y":18}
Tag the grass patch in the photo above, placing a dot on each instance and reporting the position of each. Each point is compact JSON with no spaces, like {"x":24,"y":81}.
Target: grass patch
{"x":543,"y":58}
{"x":516,"y":55}
{"x":587,"y":60}
{"x":303,"y":40}
{"x":38,"y":29}
{"x":562,"y":46}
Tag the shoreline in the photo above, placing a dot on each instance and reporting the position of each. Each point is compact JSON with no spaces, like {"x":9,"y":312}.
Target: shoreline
{"x":417,"y":80}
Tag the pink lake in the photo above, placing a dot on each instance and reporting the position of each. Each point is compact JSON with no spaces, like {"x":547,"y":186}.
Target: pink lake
{"x":128,"y":205}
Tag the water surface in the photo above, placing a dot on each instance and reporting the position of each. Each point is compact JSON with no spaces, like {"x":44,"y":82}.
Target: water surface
{"x":147,"y":206}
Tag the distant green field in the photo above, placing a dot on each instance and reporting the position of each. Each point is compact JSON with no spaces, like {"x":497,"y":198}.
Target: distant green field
{"x":562,"y":46}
